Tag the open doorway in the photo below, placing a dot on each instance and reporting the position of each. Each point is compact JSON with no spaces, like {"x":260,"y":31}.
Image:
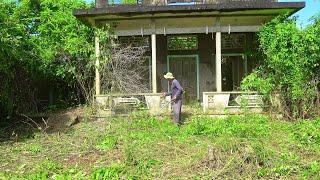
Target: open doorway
{"x":234,"y":69}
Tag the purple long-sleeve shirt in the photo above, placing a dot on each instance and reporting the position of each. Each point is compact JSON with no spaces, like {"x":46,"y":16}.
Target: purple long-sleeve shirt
{"x":176,"y":90}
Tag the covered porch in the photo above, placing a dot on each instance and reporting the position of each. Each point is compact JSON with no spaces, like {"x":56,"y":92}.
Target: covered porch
{"x":209,"y":48}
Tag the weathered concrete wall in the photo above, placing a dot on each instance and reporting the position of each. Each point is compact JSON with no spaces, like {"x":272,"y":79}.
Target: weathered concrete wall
{"x":206,"y":63}
{"x":206,"y":78}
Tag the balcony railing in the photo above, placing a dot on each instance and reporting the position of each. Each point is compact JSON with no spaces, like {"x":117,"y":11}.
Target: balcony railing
{"x":103,"y":3}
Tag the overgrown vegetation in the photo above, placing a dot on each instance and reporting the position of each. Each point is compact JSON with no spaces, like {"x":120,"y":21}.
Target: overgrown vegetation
{"x":143,"y":147}
{"x":43,"y":46}
{"x":291,"y":69}
{"x":42,"y":42}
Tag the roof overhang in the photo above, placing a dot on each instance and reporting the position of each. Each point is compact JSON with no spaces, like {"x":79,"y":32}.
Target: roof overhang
{"x":230,"y":9}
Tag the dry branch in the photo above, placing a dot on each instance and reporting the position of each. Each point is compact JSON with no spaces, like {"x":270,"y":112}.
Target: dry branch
{"x":126,"y":71}
{"x":38,"y":126}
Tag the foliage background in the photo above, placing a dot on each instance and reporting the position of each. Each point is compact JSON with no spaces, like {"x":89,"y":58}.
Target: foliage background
{"x":291,"y":69}
{"x":43,"y":44}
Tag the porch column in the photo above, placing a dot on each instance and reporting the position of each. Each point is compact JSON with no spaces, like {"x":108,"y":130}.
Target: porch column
{"x":154,"y":62}
{"x":97,"y":64}
{"x":218,"y":62}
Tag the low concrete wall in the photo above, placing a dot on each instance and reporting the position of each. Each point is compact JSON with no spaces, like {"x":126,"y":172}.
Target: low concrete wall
{"x":219,"y":103}
{"x":157,"y":105}
{"x":153,"y":102}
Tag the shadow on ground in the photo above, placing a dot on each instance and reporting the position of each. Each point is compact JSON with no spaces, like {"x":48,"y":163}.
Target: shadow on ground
{"x":23,"y":127}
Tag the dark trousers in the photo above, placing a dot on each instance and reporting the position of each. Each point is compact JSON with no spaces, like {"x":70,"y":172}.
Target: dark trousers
{"x":176,"y":108}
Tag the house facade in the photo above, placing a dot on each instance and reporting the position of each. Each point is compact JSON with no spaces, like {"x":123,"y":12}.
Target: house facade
{"x":219,"y":37}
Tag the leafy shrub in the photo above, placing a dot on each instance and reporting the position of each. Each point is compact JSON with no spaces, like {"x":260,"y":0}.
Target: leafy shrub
{"x":42,"y":42}
{"x":312,"y":171}
{"x":137,"y":167}
{"x":198,"y":126}
{"x":291,"y":67}
{"x":41,"y":175}
{"x":111,"y":172}
{"x":49,"y":165}
{"x":243,"y":127}
{"x":307,"y":132}
{"x":108,"y":142}
{"x":32,"y":148}
{"x":257,"y":82}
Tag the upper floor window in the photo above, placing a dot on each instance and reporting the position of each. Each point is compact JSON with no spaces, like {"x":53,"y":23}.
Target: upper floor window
{"x":233,"y":41}
{"x":185,"y":42}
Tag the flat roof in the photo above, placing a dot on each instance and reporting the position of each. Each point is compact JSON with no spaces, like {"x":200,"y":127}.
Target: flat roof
{"x":115,"y":11}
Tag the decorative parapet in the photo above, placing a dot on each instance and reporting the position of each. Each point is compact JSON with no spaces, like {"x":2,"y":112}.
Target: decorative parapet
{"x":219,"y":102}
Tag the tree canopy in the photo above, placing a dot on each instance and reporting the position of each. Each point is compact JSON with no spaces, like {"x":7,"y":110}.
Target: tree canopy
{"x":41,"y":40}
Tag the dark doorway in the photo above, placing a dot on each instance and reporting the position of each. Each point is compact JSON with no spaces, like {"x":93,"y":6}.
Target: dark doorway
{"x":233,"y":71}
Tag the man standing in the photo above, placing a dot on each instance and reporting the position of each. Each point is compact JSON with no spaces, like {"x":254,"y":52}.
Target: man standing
{"x":176,"y":97}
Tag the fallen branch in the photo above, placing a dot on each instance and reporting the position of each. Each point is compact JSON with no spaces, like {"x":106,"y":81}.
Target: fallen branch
{"x":30,"y":119}
{"x":37,"y":125}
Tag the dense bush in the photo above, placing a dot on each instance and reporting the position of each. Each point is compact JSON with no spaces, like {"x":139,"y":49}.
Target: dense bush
{"x":42,"y":44}
{"x":291,"y":68}
{"x":15,"y":48}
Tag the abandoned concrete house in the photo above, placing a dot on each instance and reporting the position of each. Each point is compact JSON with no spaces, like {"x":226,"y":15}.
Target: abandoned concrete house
{"x":219,"y":37}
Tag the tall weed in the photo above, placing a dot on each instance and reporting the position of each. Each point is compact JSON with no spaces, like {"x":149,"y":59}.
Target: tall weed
{"x":307,"y":132}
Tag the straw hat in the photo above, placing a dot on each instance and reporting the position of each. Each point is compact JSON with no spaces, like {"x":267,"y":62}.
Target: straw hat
{"x":169,"y":75}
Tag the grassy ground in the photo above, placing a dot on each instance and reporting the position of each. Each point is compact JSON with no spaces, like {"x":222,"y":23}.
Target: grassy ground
{"x":143,"y":147}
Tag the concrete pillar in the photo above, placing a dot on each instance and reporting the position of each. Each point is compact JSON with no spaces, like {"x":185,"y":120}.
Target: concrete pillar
{"x":154,"y":62}
{"x":97,"y":64}
{"x":218,"y":62}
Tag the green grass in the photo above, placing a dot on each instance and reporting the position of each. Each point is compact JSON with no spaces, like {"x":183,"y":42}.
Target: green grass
{"x":143,"y":147}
